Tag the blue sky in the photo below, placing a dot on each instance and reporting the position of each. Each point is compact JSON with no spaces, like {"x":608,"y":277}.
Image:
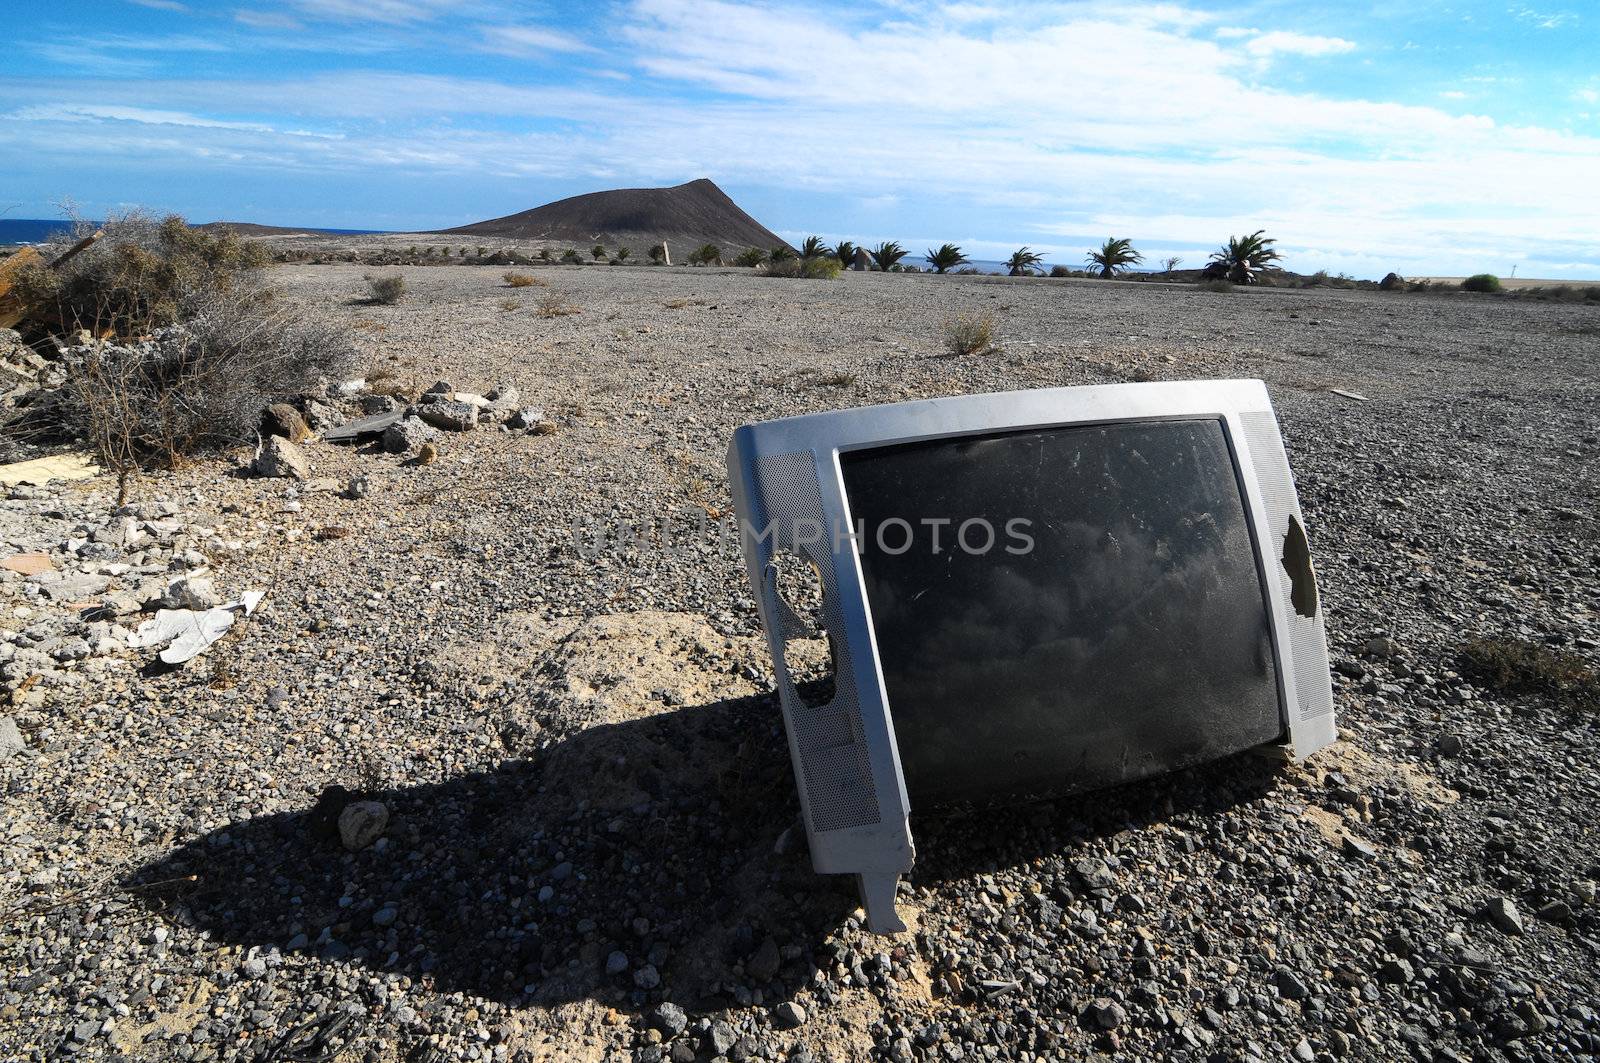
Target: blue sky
{"x":1431,"y":138}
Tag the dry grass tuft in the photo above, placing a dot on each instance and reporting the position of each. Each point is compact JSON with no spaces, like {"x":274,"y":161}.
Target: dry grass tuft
{"x":386,"y":290}
{"x":551,"y":304}
{"x":514,"y":279}
{"x":1520,"y":667}
{"x":969,"y":334}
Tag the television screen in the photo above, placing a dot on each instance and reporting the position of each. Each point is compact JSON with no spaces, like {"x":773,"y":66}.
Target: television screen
{"x":1025,"y":594}
{"x":1063,"y":609}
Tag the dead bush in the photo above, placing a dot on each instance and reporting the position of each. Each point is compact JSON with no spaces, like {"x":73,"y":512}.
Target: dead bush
{"x":969,"y":334}
{"x":552,"y":304}
{"x":1520,"y":667}
{"x":386,"y":290}
{"x":199,"y":386}
{"x":142,"y":274}
{"x":522,"y":280}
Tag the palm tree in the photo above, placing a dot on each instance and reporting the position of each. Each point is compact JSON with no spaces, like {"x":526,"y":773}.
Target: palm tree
{"x":945,"y":257}
{"x":1113,"y":257}
{"x":1245,"y":256}
{"x":780,"y":254}
{"x":1171,"y":263}
{"x":1022,"y":262}
{"x":845,"y":253}
{"x":814,"y":248}
{"x":707,"y":254}
{"x":887,"y":254}
{"x":623,"y":253}
{"x":598,"y":251}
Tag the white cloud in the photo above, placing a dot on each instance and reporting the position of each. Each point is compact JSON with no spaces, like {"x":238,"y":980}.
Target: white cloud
{"x":526,"y":40}
{"x":390,"y":11}
{"x":267,"y":20}
{"x":1545,"y":20}
{"x":1280,"y":42}
{"x":1453,"y":94}
{"x":162,"y":5}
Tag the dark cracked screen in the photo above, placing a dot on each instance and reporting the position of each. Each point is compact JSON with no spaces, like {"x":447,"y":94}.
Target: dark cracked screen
{"x":1063,"y":609}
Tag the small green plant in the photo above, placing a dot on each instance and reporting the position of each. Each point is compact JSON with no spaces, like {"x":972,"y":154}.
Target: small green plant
{"x":1481,"y":282}
{"x":482,"y":251}
{"x":522,"y":280}
{"x":1114,"y":256}
{"x":658,"y":253}
{"x":544,"y":254}
{"x":571,"y":257}
{"x":945,"y":258}
{"x":751,"y":257}
{"x":706,"y":255}
{"x":968,"y":334}
{"x":822,"y":268}
{"x":1060,"y":271}
{"x":623,"y":253}
{"x":598,"y":251}
{"x":781,"y":254}
{"x":386,"y":290}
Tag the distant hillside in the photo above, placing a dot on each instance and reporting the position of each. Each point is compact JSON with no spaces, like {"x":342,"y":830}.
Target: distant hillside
{"x":685,"y":216}
{"x":250,"y":228}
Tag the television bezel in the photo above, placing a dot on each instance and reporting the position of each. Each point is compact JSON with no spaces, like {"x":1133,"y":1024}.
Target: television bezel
{"x":878,"y":853}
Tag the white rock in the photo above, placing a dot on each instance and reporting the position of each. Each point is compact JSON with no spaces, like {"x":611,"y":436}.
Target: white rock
{"x":362,"y":823}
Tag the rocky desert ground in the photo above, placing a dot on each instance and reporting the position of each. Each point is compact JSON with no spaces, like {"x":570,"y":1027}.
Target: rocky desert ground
{"x":530,"y":669}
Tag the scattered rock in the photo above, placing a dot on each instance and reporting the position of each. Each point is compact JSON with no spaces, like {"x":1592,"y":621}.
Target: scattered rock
{"x":11,"y":741}
{"x":277,"y":457}
{"x":407,"y":435}
{"x":1357,"y":848}
{"x":191,"y":592}
{"x":1448,"y":745}
{"x":362,"y":823}
{"x":1106,"y":1014}
{"x":669,"y":1019}
{"x":1503,"y":913}
{"x":526,"y":418}
{"x":448,"y":414}
{"x":789,"y":1015}
{"x":763,"y":963}
{"x":284,"y":421}
{"x":425,"y":454}
{"x":1289,"y":985}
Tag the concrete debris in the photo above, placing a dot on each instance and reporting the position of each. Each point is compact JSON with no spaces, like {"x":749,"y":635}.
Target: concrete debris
{"x":40,"y":471}
{"x":452,"y":415}
{"x":277,"y":457}
{"x":362,"y":427}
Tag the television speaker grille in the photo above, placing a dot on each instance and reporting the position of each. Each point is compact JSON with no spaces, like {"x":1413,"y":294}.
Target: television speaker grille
{"x":835,"y":768}
{"x":1308,"y":644}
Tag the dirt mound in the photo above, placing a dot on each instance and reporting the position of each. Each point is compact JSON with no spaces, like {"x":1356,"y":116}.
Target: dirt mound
{"x":684,"y":216}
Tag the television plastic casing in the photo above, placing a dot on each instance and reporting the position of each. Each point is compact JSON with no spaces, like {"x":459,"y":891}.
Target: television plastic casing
{"x":786,"y":477}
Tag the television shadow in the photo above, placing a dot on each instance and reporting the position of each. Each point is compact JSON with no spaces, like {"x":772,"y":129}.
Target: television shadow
{"x":653,"y":839}
{"x":656,"y":839}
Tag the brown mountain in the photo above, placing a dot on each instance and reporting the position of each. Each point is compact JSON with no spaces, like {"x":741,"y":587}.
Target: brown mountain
{"x":685,"y":216}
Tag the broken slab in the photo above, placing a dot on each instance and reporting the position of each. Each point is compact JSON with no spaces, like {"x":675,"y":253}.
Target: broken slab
{"x":40,"y":471}
{"x":362,"y":426}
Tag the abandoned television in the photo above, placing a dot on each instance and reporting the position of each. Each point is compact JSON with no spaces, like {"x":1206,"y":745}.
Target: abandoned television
{"x":1023,"y":595}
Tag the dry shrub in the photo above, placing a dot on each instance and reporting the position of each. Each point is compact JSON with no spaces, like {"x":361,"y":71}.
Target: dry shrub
{"x":514,"y":279}
{"x":969,"y":334}
{"x":200,"y":386}
{"x":1520,"y":667}
{"x":551,"y":304}
{"x":141,"y":275}
{"x":386,"y":290}
{"x":816,"y":268}
{"x":508,"y":305}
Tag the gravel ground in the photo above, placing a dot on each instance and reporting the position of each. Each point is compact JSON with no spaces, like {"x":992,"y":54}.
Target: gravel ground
{"x":564,"y":874}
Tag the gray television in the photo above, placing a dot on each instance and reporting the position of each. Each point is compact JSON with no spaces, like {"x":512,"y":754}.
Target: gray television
{"x":1025,"y":595}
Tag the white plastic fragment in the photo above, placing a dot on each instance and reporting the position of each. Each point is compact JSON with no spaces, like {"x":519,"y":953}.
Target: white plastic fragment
{"x":186,"y":633}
